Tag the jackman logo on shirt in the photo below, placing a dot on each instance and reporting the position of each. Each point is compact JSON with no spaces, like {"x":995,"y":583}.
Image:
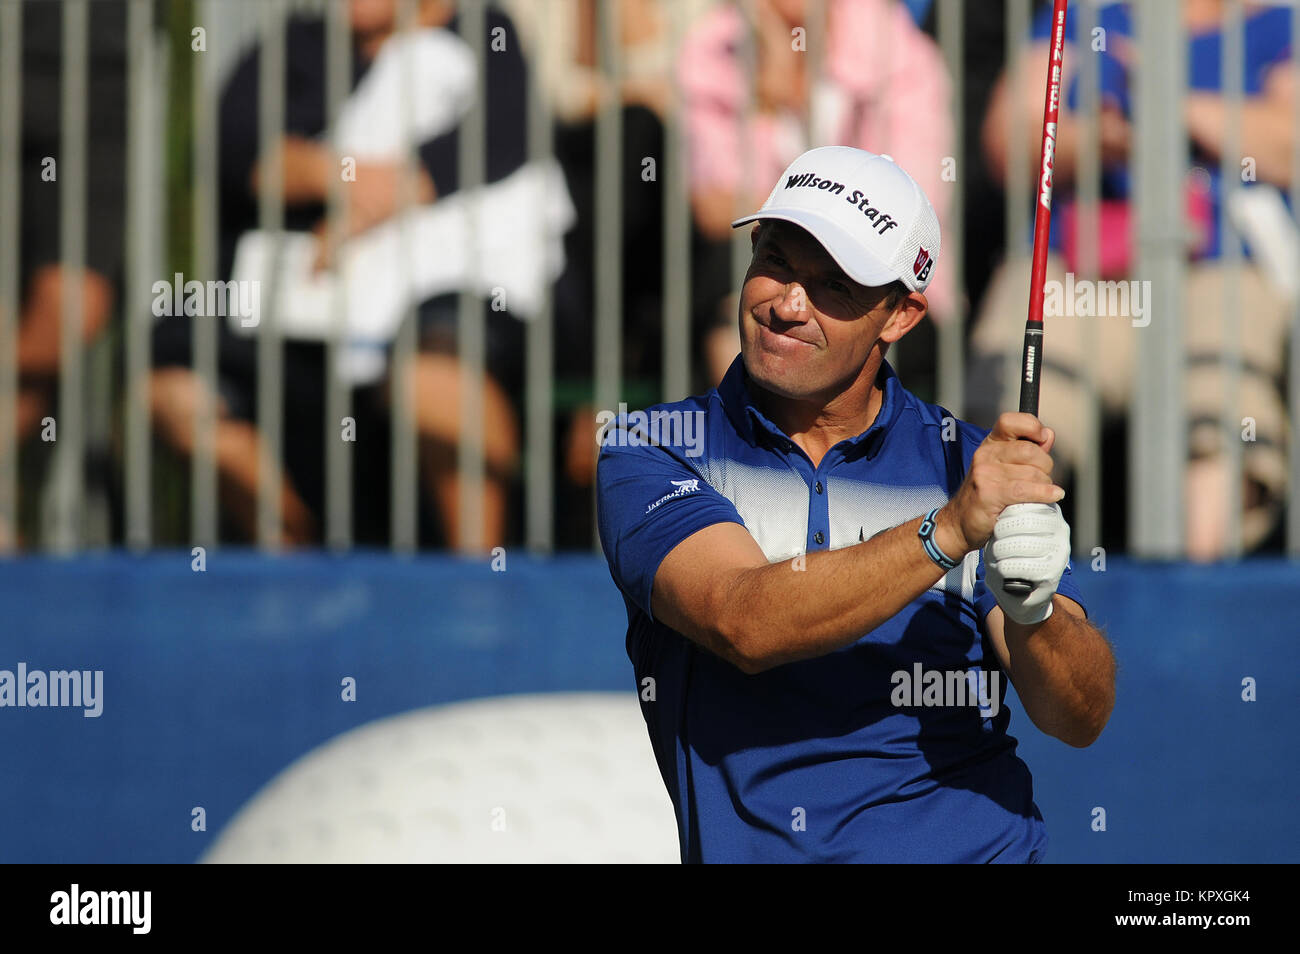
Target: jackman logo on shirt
{"x":684,"y":487}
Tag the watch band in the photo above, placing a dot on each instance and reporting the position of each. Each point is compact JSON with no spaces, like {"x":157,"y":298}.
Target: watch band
{"x":926,"y":533}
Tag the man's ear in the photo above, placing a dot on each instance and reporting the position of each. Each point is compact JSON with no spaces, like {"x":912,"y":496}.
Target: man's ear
{"x":906,"y":316}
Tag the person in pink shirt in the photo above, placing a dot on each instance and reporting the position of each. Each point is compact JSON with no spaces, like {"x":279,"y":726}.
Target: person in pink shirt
{"x":883,"y":87}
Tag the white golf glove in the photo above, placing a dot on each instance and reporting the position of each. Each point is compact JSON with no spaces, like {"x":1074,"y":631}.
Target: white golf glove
{"x":1031,"y":541}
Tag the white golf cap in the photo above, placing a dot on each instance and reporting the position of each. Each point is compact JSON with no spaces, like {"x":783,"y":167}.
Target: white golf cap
{"x":869,"y":215}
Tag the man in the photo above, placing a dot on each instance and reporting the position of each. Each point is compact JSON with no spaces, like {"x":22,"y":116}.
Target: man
{"x":809,"y":610}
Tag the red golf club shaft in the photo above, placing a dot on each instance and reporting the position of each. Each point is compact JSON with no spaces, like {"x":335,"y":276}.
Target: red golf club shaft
{"x":1033,"y":353}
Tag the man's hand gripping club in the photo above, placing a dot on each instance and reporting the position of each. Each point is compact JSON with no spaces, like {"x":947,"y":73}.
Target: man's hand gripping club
{"x":1008,"y":505}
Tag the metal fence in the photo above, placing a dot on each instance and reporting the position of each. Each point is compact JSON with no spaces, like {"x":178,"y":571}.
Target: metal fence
{"x":103,"y":416}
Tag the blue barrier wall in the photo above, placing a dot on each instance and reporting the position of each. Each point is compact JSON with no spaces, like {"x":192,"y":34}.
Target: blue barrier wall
{"x":215,"y":681}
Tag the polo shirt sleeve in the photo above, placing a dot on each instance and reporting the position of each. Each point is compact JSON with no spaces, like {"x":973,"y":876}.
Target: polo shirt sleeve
{"x":648,"y":500}
{"x":985,"y":600}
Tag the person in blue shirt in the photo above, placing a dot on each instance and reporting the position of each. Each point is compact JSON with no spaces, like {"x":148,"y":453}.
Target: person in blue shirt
{"x":814,"y":561}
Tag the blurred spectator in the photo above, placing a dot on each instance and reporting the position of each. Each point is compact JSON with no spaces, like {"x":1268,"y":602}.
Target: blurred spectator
{"x":562,"y":39}
{"x":44,"y":278}
{"x":984,"y":50}
{"x":374,"y":205}
{"x":883,"y":88}
{"x":1267,"y":135}
{"x":565,"y":36}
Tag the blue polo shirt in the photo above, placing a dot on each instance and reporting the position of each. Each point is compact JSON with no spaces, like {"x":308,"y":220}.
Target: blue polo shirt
{"x":828,"y":759}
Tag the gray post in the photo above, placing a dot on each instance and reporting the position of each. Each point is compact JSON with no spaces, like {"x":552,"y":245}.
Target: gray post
{"x":1087,"y":491}
{"x":675,"y":189}
{"x":609,"y":218}
{"x":1233,"y":64}
{"x":69,"y":455}
{"x":951,"y":345}
{"x":143,"y":232}
{"x":203,"y":486}
{"x":1019,"y":194}
{"x":471,"y":334}
{"x":338,"y":396}
{"x":404,"y":504}
{"x":539,"y":381}
{"x":270,"y":215}
{"x":1157,"y":431}
{"x":11,"y":28}
{"x":1293,"y":370}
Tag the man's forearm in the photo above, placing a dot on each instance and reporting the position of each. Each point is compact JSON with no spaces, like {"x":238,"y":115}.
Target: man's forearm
{"x":813,"y":605}
{"x":305,"y":169}
{"x":717,"y":589}
{"x":1064,"y":673}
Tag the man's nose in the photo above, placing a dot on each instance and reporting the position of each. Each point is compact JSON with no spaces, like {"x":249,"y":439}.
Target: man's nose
{"x":792,"y":305}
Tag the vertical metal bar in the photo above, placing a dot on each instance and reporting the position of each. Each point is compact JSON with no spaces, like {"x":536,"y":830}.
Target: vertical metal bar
{"x":539,"y":368}
{"x":471,"y":329}
{"x":1087,"y":497}
{"x":1293,"y":370}
{"x":881,"y":48}
{"x":270,"y":214}
{"x":815,"y":27}
{"x":70,"y":447}
{"x":203,"y":484}
{"x":100,"y":368}
{"x":1157,"y":431}
{"x":142,"y":209}
{"x":677,"y":236}
{"x":1233,"y":64}
{"x":338,"y":396}
{"x":404,"y":507}
{"x":609,"y":217}
{"x":11,"y":20}
{"x":1017,"y":197}
{"x":951,"y":359}
{"x":1018,"y":191}
{"x":748,"y":57}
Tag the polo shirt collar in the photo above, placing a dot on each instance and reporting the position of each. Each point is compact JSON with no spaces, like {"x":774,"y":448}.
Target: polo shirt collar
{"x":751,"y":423}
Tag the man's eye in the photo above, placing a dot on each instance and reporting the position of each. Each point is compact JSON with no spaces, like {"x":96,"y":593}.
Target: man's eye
{"x":776,"y":259}
{"x":840,"y":288}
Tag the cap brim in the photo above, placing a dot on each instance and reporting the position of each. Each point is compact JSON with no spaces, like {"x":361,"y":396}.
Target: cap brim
{"x":859,"y":264}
